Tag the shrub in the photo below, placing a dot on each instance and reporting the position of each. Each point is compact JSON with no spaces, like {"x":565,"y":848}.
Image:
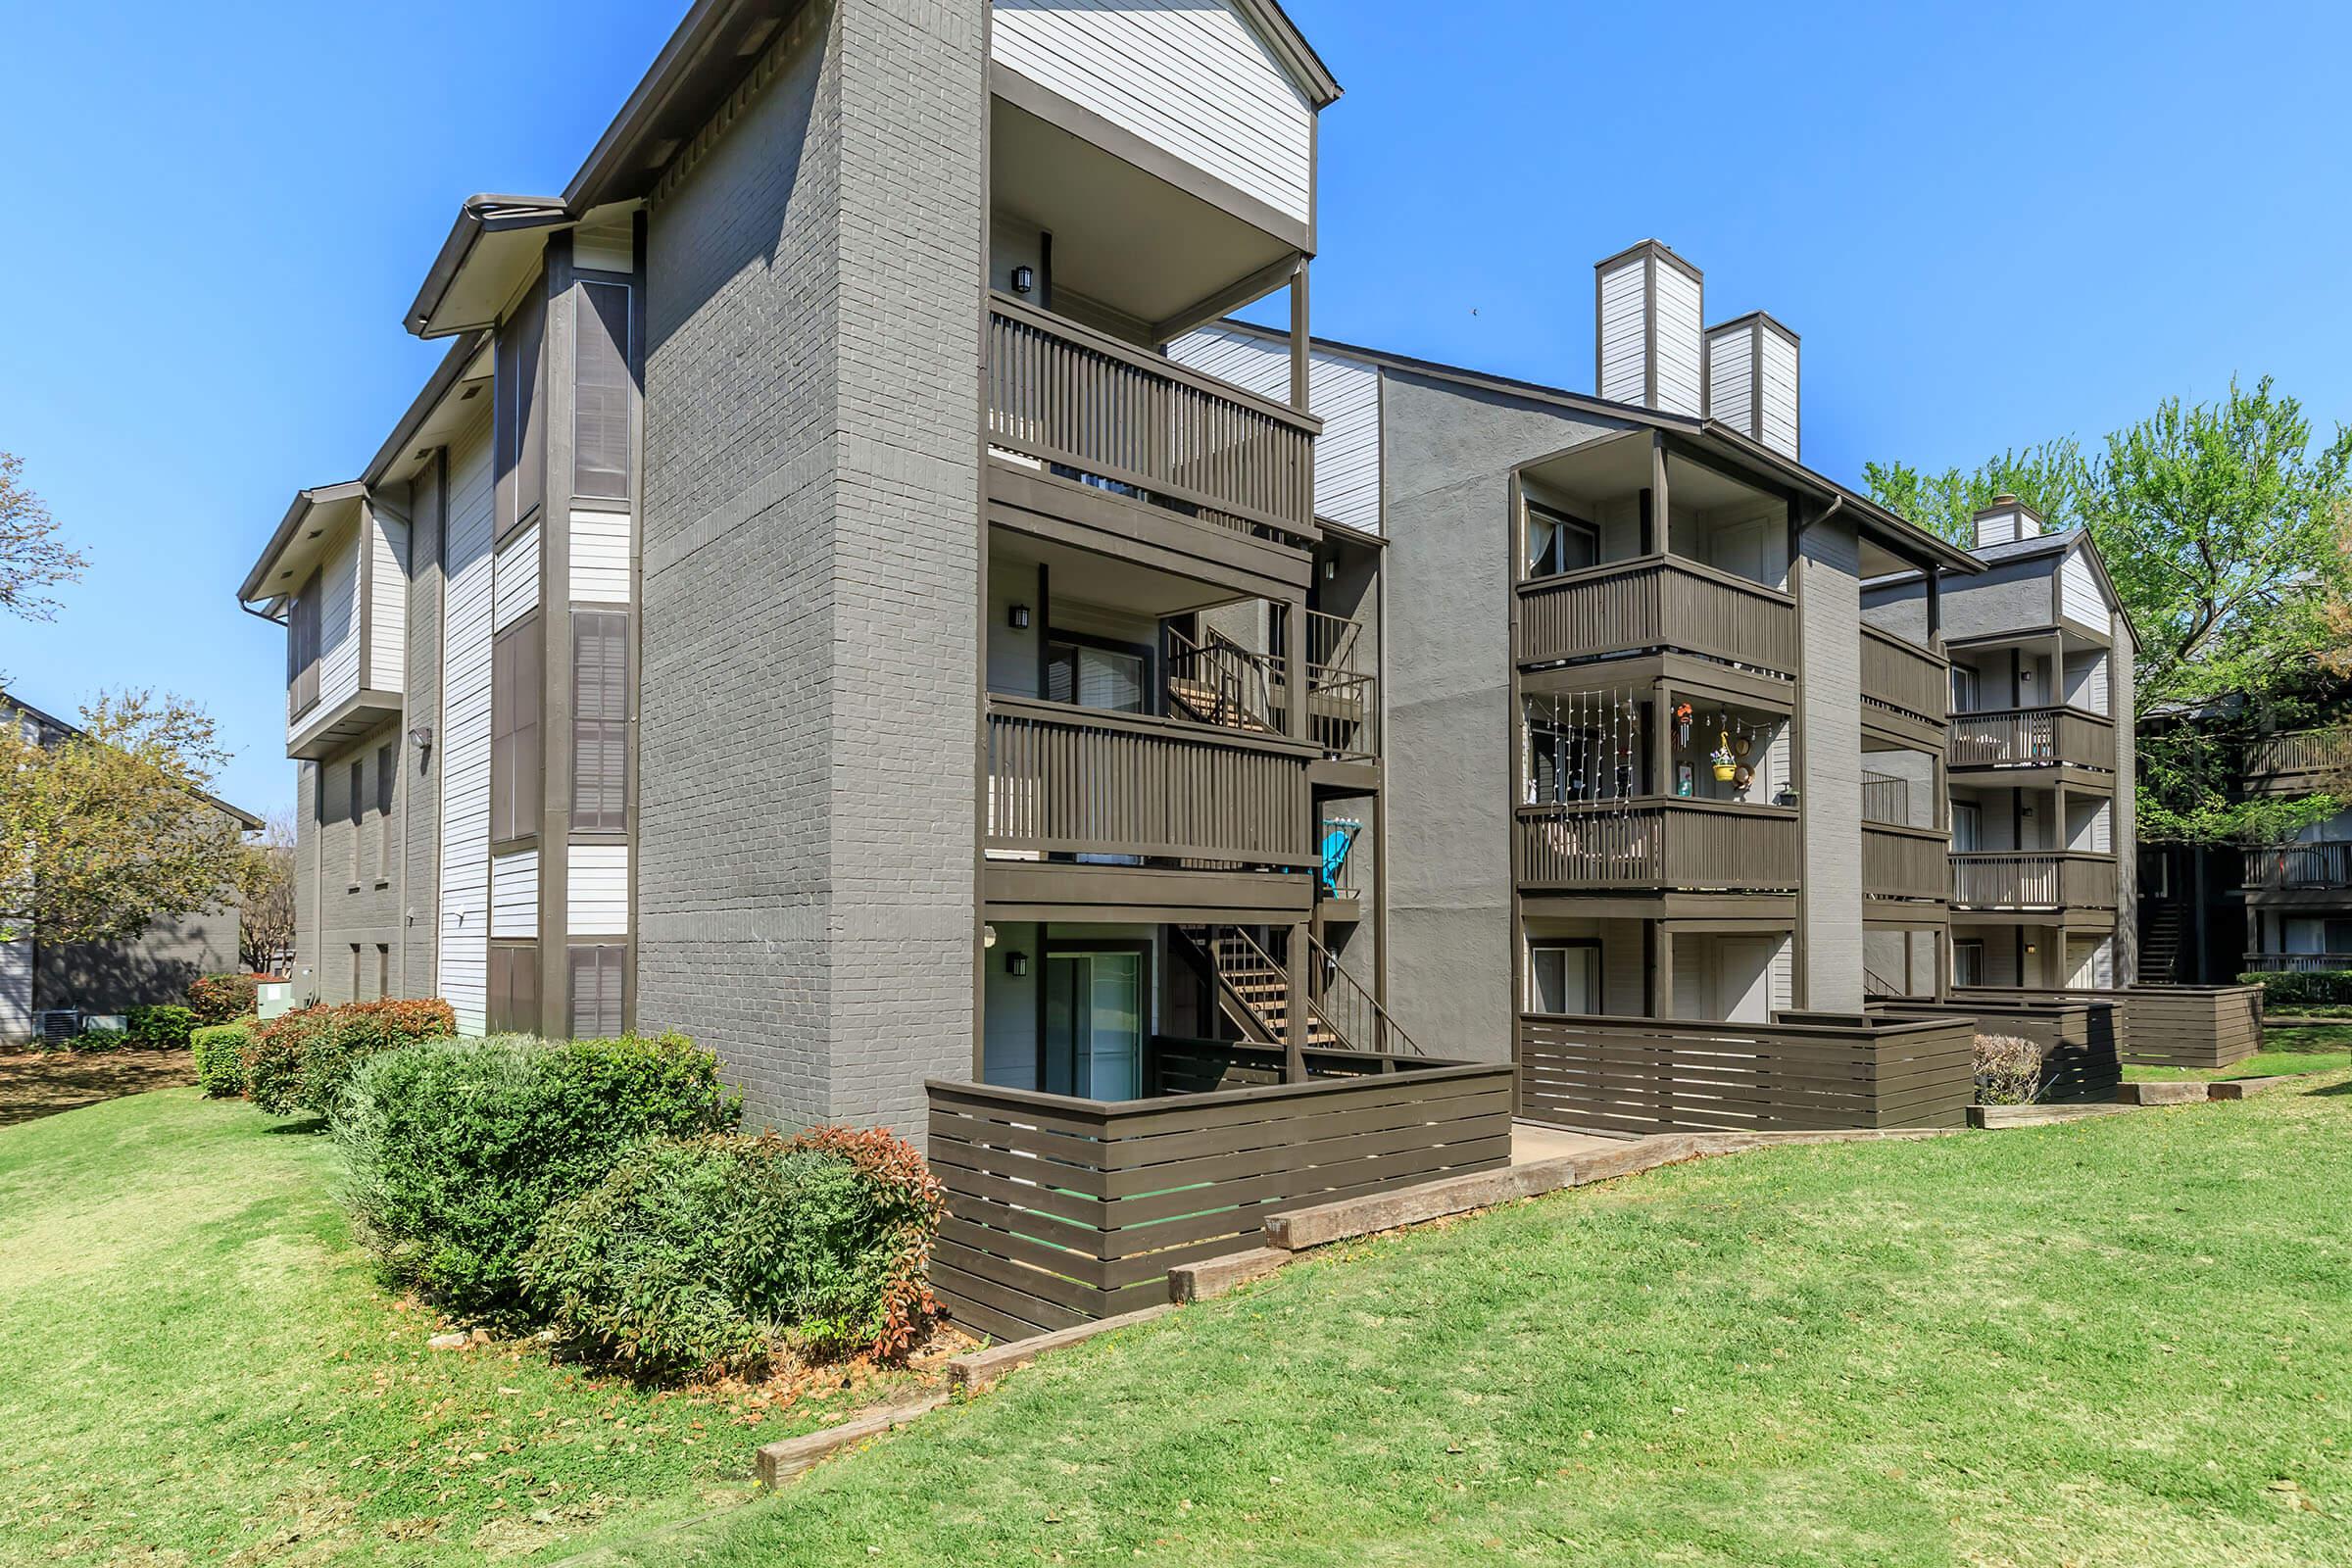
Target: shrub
{"x":704,"y":1255}
{"x":219,"y":1051}
{"x":166,"y":1026}
{"x":454,"y":1151}
{"x":2008,"y":1070}
{"x":2314,"y":988}
{"x":220,"y":999}
{"x":301,"y":1060}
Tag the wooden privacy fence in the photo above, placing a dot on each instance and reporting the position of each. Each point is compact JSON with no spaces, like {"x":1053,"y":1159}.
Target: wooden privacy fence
{"x":1061,"y":1210}
{"x":2079,"y":1039}
{"x":1899,"y":674}
{"x":1794,"y":1074}
{"x":2020,"y":735}
{"x":2203,"y":1027}
{"x":1087,"y":781}
{"x":2035,"y":880}
{"x":1657,"y":602}
{"x":1658,"y":842}
{"x":1062,"y":393}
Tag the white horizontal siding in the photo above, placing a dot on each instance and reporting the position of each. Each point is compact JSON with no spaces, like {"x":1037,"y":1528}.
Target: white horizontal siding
{"x":16,"y":990}
{"x":388,"y":602}
{"x":1784,"y":975}
{"x":339,"y":623}
{"x":1778,"y":396}
{"x":1624,"y":307}
{"x":1191,"y":78}
{"x":514,"y":894}
{"x":599,"y":557}
{"x":1680,"y":335}
{"x":465,"y":733}
{"x":1731,"y":368}
{"x":2078,"y":596}
{"x":597,"y":896}
{"x":515,"y":590}
{"x":1343,"y":393}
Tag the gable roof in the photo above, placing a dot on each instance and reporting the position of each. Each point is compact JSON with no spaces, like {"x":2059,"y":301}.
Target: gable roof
{"x":10,"y":703}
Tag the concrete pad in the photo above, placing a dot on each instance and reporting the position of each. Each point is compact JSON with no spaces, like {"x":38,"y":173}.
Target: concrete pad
{"x":1205,"y":1281}
{"x":780,"y":1461}
{"x":976,"y":1369}
{"x":2249,"y":1088}
{"x":2186,"y":1092}
{"x":1531,"y":1145}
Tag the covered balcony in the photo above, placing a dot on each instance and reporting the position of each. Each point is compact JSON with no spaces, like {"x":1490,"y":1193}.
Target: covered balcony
{"x":2032,"y":738}
{"x":335,"y":575}
{"x":2322,"y":870}
{"x":2034,"y":882}
{"x":2299,"y":764}
{"x":2039,"y":700}
{"x":1906,"y":687}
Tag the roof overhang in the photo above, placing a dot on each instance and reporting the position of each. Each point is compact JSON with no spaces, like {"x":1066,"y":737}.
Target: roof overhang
{"x":492,"y":248}
{"x":302,"y":538}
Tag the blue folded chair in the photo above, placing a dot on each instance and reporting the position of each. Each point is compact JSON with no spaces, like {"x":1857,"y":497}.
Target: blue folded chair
{"x":1338,"y":839}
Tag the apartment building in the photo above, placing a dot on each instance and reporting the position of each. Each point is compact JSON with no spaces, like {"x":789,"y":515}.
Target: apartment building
{"x":2043,"y":863}
{"x":2298,"y":895}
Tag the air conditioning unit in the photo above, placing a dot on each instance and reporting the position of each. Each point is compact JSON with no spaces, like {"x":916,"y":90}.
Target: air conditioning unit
{"x":62,"y":1023}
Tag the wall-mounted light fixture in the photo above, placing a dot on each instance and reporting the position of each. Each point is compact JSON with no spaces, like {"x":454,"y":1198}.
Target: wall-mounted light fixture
{"x":1331,"y":570}
{"x":1016,"y":963}
{"x":421,"y":737}
{"x":1024,"y":278}
{"x":1019,"y":618}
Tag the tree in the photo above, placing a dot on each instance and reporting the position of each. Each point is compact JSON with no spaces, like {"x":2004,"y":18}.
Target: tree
{"x":33,"y":558}
{"x":2229,"y":543}
{"x":266,"y":895}
{"x":114,"y":824}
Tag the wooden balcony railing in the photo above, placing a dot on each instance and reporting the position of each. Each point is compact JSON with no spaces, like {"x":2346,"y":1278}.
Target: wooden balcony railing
{"x":1906,"y":863}
{"x":2307,"y":759}
{"x":1083,"y":781}
{"x":1899,"y":674}
{"x":2298,"y":963}
{"x":1661,"y":602}
{"x":2033,"y":880}
{"x":2045,"y":737}
{"x":2299,"y":867}
{"x":1653,"y":843}
{"x":1064,"y":394}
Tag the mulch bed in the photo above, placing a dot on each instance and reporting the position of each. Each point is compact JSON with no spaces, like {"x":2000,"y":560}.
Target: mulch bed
{"x":37,"y":1083}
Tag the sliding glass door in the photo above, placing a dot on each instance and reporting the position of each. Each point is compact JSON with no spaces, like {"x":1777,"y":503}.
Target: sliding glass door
{"x":1095,"y":1024}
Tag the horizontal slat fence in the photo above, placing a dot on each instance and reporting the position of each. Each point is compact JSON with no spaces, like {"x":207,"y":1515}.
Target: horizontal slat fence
{"x":1650,"y":1075}
{"x":1075,"y":780}
{"x":2204,"y":1027}
{"x":1655,"y":842}
{"x":2298,"y":963}
{"x":1899,"y":674}
{"x":1657,"y":602}
{"x":1065,"y":394}
{"x":2043,"y":735}
{"x":2080,"y":1054}
{"x":1062,"y":1211}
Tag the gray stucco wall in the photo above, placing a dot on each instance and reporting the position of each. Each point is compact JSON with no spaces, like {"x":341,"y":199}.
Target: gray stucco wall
{"x":1447,"y":452}
{"x":806,"y":888}
{"x":1830,"y":766}
{"x":421,"y":781}
{"x":109,"y":976}
{"x":2006,"y":599}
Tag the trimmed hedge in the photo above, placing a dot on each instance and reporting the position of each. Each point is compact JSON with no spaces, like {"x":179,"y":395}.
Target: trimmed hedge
{"x":705,"y":1255}
{"x":165,"y":1026}
{"x":300,"y":1062}
{"x":220,"y":999}
{"x":2285,"y":991}
{"x":219,"y":1051}
{"x":455,"y":1151}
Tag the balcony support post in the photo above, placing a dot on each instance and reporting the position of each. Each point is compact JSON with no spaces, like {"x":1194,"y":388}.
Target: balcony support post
{"x":1936,"y":607}
{"x":1661,"y":532}
{"x":1298,"y":955}
{"x":1298,"y":720}
{"x":1300,"y":339}
{"x":1661,"y":969}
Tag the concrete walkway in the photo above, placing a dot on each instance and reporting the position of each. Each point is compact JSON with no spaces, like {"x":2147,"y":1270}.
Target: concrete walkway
{"x":1530,"y":1144}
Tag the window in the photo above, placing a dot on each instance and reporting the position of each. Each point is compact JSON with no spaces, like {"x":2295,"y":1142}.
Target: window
{"x":1093,"y":675}
{"x":520,"y":420}
{"x":1566,"y":763}
{"x":600,"y":724}
{"x":596,"y":990}
{"x":1557,"y":543}
{"x":384,"y":970}
{"x":1564,"y":977}
{"x":1966,"y":695}
{"x":355,"y":994}
{"x":514,"y":694}
{"x":600,"y":418}
{"x":302,"y":649}
{"x":357,"y":814}
{"x":1968,"y":826}
{"x":387,"y":772}
{"x":1968,"y":964}
{"x":513,"y":988}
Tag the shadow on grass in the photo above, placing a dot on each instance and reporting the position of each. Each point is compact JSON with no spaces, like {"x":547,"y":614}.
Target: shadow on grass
{"x":302,"y":1126}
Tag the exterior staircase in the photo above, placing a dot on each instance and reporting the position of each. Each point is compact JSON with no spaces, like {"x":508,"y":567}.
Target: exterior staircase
{"x":1218,"y":682}
{"x":2160,"y":944}
{"x":1254,"y":992}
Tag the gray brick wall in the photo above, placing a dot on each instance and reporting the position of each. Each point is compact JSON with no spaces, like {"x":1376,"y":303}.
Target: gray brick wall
{"x":305,"y":879}
{"x":361,"y":907}
{"x":810,"y":575}
{"x":420,"y":780}
{"x":1830,"y":714}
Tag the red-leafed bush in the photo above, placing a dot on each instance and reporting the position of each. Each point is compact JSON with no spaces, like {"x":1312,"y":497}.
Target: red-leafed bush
{"x":301,"y":1060}
{"x":221,"y":998}
{"x":913,"y":1203}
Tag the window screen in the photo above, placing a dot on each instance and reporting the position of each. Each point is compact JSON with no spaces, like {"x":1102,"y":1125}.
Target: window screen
{"x":596,"y":986}
{"x":387,"y":764}
{"x":600,"y":727}
{"x":513,"y":988}
{"x":1557,"y":542}
{"x":522,"y":422}
{"x":302,"y":649}
{"x":600,"y":432}
{"x":514,"y":699}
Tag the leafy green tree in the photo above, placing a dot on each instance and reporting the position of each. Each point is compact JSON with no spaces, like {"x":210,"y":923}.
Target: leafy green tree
{"x":2049,"y":477}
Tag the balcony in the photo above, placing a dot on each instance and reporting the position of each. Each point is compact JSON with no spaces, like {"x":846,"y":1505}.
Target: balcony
{"x":1910,"y":865}
{"x":2300,"y":763}
{"x":1658,"y":603}
{"x":1653,"y":844}
{"x":2307,"y":868}
{"x":2298,"y":963}
{"x":1905,"y":686}
{"x":2033,"y":880}
{"x":1127,"y":423}
{"x":2032,"y":738}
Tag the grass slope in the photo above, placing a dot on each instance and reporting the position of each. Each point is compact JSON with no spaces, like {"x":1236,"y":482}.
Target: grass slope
{"x":2120,"y":1341}
{"x":198,"y":1367}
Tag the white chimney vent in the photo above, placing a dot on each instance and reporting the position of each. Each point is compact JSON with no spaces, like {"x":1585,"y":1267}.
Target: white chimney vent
{"x":2007,"y":520}
{"x":1650,"y":348}
{"x":1752,"y":380}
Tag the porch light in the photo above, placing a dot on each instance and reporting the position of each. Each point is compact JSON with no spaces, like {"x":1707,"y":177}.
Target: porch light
{"x":1024,"y":278}
{"x":1331,"y":570}
{"x":1018,"y":618}
{"x":1016,"y":963}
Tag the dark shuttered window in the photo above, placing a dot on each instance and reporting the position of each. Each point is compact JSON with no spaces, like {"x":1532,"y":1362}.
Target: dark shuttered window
{"x":521,"y":421}
{"x":302,"y":649}
{"x":387,"y":764}
{"x":513,"y":988}
{"x":356,"y":812}
{"x":600,"y":434}
{"x":514,"y":699}
{"x":596,"y":984}
{"x":600,"y":724}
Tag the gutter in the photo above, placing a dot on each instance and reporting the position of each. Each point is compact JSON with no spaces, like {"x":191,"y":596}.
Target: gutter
{"x":480,"y":215}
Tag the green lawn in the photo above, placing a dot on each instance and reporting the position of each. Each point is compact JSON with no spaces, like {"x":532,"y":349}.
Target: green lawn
{"x":195,"y":1363}
{"x":2324,"y":1049}
{"x":2120,"y":1341}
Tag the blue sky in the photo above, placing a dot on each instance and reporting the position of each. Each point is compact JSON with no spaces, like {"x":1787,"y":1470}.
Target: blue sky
{"x":1990,"y":223}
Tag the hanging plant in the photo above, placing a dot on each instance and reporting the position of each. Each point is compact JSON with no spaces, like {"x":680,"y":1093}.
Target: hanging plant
{"x":1722,"y":759}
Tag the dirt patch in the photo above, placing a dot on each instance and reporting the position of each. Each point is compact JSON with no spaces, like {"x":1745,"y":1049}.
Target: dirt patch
{"x":35,"y":1083}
